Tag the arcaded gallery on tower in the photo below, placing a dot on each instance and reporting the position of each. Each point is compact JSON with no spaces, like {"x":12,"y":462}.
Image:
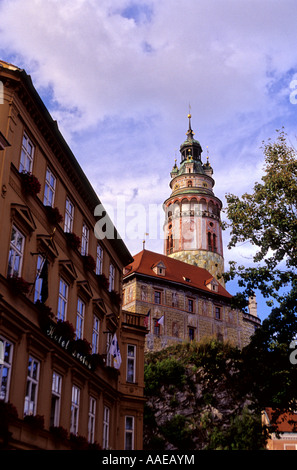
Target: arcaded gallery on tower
{"x":71,"y":370}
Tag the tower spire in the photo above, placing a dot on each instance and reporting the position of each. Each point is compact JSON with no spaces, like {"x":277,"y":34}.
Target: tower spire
{"x":190,"y":133}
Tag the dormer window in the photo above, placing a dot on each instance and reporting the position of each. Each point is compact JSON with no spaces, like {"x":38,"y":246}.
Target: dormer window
{"x":212,"y":285}
{"x":187,"y":279}
{"x":159,"y":269}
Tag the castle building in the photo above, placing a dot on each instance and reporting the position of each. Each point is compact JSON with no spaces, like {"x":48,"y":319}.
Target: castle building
{"x":181,"y":293}
{"x":71,"y":360}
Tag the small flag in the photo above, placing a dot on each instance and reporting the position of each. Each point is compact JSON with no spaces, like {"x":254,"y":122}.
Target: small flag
{"x":114,"y":350}
{"x":146,"y":318}
{"x":44,"y":276}
{"x":160,"y":321}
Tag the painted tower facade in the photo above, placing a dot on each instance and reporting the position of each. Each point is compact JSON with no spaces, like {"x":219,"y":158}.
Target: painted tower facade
{"x":192,"y":229}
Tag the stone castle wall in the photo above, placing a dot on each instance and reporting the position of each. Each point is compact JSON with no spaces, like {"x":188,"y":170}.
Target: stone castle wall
{"x":180,"y":324}
{"x":212,"y":262}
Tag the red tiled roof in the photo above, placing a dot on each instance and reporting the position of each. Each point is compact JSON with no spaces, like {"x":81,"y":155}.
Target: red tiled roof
{"x":283,"y":422}
{"x":175,"y":271}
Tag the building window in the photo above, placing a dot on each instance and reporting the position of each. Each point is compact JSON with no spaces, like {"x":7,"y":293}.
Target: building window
{"x":99,"y":259}
{"x":190,"y":305}
{"x":106,"y":417}
{"x":95,"y":335}
{"x":38,"y":282}
{"x":191,"y":333}
{"x":56,"y":399}
{"x":74,"y":410}
{"x":218,"y":313}
{"x":6,"y":351}
{"x":27,"y":154}
{"x":131,"y":362}
{"x":32,"y":387}
{"x":62,"y":302}
{"x":129,"y":433}
{"x":92,"y":419}
{"x":80,"y":314}
{"x":111,"y":277}
{"x":16,"y":252}
{"x":49,"y":189}
{"x":85,"y":240}
{"x":69,"y":212}
{"x":157,"y":297}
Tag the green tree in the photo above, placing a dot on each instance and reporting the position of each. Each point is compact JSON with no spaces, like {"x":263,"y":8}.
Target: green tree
{"x":267,"y":218}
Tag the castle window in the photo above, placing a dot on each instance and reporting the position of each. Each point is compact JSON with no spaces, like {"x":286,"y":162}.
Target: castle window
{"x":191,"y":333}
{"x":157,"y":297}
{"x":190,"y":305}
{"x":209,"y":241}
{"x":218,"y":313}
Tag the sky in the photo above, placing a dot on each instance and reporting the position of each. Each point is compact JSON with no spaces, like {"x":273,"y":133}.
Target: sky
{"x":120,"y":77}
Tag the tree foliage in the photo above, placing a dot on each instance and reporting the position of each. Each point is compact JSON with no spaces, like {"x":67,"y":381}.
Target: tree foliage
{"x":267,"y":218}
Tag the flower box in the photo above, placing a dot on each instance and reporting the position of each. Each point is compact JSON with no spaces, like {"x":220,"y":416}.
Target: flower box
{"x":115,"y":297}
{"x":30,"y":184}
{"x":73,"y":241}
{"x":103,"y":281}
{"x":89,"y":263}
{"x":18,"y":285}
{"x":53,"y":215}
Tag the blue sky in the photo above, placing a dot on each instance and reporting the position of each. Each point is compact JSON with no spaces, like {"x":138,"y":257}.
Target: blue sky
{"x":118,"y":76}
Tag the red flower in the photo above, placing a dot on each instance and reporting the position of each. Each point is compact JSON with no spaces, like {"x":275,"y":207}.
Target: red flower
{"x":73,"y":241}
{"x":30,"y":183}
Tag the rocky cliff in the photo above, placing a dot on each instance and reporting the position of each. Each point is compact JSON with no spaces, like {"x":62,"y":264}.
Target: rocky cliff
{"x":196,"y":400}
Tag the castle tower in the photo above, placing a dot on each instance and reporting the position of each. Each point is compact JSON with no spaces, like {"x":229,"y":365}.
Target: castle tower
{"x":192,"y":229}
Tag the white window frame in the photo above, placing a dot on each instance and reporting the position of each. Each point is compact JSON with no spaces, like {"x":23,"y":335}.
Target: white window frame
{"x":95,"y":335}
{"x":75,"y":403}
{"x":49,"y":188}
{"x":5,"y":367}
{"x":111,"y":277}
{"x":106,"y":420}
{"x":69,"y":216}
{"x":92,"y":420}
{"x":56,"y":399}
{"x":131,"y":363}
{"x":85,"y":239}
{"x":27,"y":155}
{"x":30,"y":405}
{"x":62,"y":300}
{"x":16,"y":252}
{"x":80,"y":318}
{"x":99,"y":259}
{"x":129,"y":433}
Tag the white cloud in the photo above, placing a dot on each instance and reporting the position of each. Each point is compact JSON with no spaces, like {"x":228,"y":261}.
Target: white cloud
{"x":118,"y":77}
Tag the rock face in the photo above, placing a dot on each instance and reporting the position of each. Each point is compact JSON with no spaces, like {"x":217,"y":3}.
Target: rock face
{"x":195,"y":399}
